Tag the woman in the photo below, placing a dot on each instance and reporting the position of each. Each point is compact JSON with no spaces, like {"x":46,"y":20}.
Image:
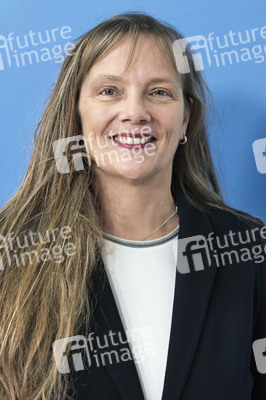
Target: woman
{"x":99,"y":296}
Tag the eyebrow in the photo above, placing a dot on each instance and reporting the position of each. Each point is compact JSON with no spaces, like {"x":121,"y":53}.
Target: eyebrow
{"x":114,"y":78}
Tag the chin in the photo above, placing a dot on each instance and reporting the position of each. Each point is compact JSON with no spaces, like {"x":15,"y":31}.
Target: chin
{"x":133,"y":172}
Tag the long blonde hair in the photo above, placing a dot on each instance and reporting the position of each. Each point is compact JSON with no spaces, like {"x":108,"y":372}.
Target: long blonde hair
{"x":44,"y":300}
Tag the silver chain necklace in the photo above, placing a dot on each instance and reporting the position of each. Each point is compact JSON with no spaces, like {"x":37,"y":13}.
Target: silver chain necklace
{"x":165,"y":222}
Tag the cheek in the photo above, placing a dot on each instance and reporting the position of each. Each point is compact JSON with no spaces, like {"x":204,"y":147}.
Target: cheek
{"x":173,"y":132}
{"x":173,"y":128}
{"x":94,"y":119}
{"x":171,"y":119}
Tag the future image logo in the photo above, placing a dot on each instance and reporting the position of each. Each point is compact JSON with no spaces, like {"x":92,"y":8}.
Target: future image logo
{"x":61,"y":153}
{"x":24,"y":249}
{"x":197,"y":253}
{"x":198,"y":42}
{"x":259,"y":350}
{"x":259,"y":150}
{"x":193,"y":254}
{"x":34,"y":47}
{"x":75,"y":149}
{"x":221,"y":50}
{"x":76,"y":352}
{"x":77,"y":347}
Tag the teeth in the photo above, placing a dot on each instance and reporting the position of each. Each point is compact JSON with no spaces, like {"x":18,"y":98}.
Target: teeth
{"x":131,"y":140}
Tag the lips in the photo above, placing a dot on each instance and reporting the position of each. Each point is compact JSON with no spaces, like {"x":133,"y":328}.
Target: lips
{"x":130,"y":140}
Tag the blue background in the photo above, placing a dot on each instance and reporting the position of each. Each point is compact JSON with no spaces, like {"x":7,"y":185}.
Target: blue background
{"x":239,"y":89}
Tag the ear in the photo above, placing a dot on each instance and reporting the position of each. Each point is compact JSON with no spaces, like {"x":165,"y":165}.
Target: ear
{"x":187,"y":112}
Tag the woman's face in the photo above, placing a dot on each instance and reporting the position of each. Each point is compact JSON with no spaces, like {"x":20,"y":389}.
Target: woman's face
{"x":133,"y":117}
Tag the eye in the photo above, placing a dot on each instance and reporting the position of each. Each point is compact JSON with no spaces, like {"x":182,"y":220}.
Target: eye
{"x":160,"y":92}
{"x":108,"y":92}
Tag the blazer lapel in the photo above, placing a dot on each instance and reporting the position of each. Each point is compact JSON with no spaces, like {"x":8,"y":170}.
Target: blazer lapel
{"x":192,"y":295}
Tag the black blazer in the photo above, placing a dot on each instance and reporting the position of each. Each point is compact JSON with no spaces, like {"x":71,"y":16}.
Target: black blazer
{"x":218,"y":312}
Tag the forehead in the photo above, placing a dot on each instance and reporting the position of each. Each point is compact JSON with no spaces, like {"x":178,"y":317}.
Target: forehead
{"x":149,"y":59}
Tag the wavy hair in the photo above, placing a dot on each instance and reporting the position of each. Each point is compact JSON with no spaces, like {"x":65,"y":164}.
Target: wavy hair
{"x":44,"y":300}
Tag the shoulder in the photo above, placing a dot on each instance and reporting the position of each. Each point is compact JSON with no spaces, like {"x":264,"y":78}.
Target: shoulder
{"x":241,"y":237}
{"x":219,"y":218}
{"x":232,"y":218}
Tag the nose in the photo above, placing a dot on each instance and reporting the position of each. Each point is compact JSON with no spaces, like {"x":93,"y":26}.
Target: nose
{"x":133,"y":109}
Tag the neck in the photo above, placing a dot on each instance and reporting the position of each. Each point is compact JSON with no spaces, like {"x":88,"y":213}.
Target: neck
{"x":134,"y":210}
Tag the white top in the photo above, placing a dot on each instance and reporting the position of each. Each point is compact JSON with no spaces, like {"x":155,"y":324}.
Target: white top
{"x":142,"y":278}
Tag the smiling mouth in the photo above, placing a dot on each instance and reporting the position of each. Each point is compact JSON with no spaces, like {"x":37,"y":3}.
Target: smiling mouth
{"x":132,"y":139}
